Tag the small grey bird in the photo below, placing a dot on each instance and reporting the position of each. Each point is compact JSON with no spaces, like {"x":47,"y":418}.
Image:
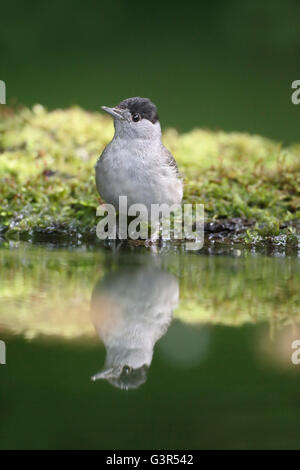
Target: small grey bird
{"x":135,"y":163}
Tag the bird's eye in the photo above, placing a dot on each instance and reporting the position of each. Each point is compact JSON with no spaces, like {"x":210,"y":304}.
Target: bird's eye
{"x":126,"y":370}
{"x":136,"y":117}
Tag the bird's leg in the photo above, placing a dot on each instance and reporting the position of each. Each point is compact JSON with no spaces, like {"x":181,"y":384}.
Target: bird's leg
{"x":154,"y":234}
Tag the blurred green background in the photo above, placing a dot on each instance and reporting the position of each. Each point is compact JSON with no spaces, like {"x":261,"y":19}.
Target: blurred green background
{"x":218,"y":64}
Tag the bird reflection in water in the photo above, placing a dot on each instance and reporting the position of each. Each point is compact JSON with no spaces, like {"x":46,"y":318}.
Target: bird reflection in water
{"x":131,"y":310}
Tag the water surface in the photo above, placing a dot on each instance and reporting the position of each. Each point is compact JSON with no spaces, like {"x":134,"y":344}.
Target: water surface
{"x":130,"y":348}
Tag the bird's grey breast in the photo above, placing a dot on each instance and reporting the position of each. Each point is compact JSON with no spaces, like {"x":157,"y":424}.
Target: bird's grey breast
{"x":144,"y":172}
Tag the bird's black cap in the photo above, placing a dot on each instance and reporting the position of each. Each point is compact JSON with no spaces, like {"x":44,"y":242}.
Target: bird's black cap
{"x":142,"y":106}
{"x":132,"y":379}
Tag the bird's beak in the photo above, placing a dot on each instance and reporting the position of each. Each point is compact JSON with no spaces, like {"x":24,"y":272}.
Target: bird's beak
{"x":115,"y":112}
{"x":105,"y":374}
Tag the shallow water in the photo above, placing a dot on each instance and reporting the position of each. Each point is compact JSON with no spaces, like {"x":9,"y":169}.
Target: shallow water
{"x":191,"y":350}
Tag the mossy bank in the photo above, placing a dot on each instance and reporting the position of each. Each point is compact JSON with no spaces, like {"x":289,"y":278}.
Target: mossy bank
{"x":249,"y":184}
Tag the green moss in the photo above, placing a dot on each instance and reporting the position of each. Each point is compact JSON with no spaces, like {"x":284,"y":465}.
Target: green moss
{"x":47,"y":175}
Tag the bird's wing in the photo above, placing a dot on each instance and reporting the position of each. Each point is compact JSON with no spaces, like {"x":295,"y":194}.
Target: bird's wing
{"x":170,"y":159}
